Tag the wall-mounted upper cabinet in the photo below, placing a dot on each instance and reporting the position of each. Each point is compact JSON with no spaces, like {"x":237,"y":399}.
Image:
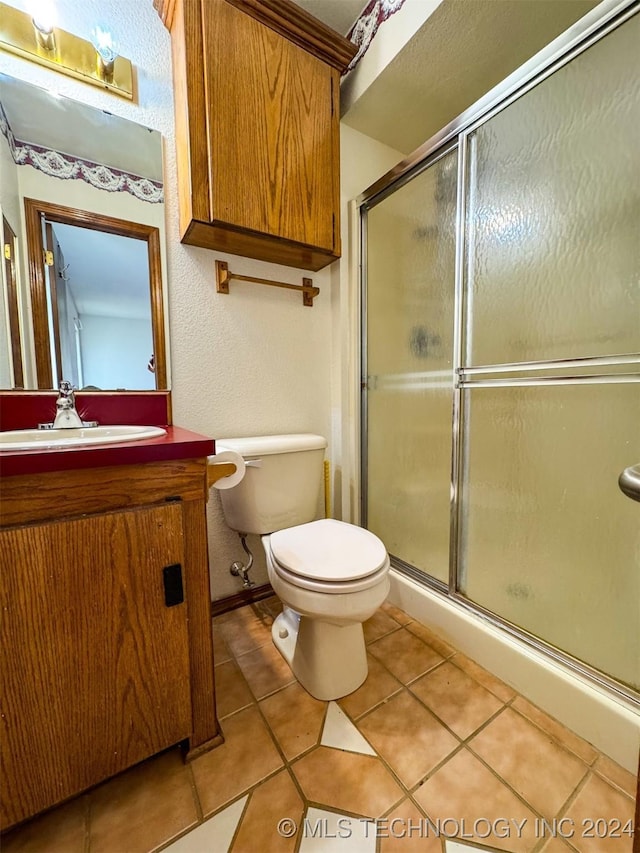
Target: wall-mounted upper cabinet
{"x":257,"y":128}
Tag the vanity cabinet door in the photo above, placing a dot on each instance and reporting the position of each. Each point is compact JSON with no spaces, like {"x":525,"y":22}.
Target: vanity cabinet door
{"x":271,"y":130}
{"x":95,"y":666}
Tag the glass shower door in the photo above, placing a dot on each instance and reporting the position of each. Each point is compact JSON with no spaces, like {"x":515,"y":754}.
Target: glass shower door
{"x":551,"y":370}
{"x":409,"y":367}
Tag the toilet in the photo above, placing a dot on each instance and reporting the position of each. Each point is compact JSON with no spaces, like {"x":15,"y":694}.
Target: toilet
{"x":329,"y":575}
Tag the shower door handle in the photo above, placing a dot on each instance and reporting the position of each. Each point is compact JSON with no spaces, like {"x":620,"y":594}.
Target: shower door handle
{"x":629,"y":482}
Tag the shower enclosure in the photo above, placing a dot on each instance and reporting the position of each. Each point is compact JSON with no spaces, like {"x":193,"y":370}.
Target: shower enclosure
{"x":501,"y":355}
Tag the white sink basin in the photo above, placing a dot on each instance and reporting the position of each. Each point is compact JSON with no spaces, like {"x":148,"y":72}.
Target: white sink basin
{"x":41,"y":439}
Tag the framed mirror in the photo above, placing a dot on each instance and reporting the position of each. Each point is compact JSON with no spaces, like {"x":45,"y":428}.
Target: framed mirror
{"x":84,"y":275}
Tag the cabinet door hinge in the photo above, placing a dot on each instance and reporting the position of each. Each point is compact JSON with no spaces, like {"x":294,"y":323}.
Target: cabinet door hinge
{"x":173,"y":589}
{"x":47,"y":258}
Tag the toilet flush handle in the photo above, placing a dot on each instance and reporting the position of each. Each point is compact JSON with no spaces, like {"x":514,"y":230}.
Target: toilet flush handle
{"x":253,"y":463}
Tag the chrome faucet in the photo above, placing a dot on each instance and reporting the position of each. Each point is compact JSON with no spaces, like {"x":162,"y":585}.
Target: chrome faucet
{"x":66,"y":415}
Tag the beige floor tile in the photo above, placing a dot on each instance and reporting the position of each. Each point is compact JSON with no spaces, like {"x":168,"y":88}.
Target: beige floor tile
{"x":557,"y":845}
{"x":399,"y":615}
{"x":62,"y":830}
{"x":295,"y":719}
{"x":487,"y":679}
{"x":404,"y":830}
{"x":463,"y":790}
{"x":405,"y":655}
{"x":232,"y":692}
{"x":247,"y":756}
{"x":462,"y":703}
{"x":265,"y":670}
{"x":378,"y":626}
{"x":598,"y":801}
{"x":275,"y":799}
{"x":347,"y":781}
{"x":538,"y":768}
{"x":431,"y":639}
{"x":566,"y":737}
{"x":618,"y":775}
{"x":408,"y":737}
{"x":379,"y":685}
{"x":244,"y":630}
{"x":220,"y":651}
{"x":143,"y":808}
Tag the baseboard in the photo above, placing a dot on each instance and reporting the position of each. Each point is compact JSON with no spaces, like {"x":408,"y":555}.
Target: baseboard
{"x":239,"y":599}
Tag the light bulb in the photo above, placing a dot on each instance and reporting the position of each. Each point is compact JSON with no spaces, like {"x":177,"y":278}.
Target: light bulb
{"x":104,"y":44}
{"x":43,"y":18}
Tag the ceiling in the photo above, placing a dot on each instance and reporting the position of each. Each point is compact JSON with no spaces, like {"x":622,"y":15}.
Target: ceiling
{"x":340,"y":15}
{"x":51,"y":121}
{"x":462,"y":50}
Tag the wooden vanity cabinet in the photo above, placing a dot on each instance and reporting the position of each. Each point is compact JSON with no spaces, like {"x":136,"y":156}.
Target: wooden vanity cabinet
{"x":106,"y":626}
{"x":257,"y":128}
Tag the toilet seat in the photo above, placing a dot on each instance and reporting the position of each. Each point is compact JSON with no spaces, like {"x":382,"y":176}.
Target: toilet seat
{"x":328,"y":556}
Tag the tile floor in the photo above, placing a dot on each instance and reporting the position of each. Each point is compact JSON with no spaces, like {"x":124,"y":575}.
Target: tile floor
{"x":431,"y":754}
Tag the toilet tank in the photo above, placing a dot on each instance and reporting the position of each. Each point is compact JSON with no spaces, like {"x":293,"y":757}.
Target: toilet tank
{"x":281,"y":485}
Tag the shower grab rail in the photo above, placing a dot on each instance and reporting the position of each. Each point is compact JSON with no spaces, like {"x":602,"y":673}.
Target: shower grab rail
{"x":224,"y":276}
{"x":629,"y":482}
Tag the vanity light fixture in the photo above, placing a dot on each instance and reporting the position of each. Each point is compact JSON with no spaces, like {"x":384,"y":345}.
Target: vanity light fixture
{"x":106,"y":50}
{"x":43,"y":19}
{"x":34,"y":37}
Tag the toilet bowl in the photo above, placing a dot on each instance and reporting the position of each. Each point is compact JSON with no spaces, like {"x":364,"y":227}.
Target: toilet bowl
{"x":330,"y":576}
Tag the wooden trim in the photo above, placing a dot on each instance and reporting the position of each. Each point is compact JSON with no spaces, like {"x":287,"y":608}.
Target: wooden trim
{"x":299,"y":26}
{"x":204,"y":726}
{"x":157,"y":308}
{"x":166,"y":10}
{"x":196,"y":752}
{"x":30,"y":498}
{"x":10,"y":266}
{"x":251,"y":244}
{"x":247,"y":596}
{"x":288,"y":19}
{"x":97,"y":222}
{"x":42,"y":343}
{"x":187,"y":48}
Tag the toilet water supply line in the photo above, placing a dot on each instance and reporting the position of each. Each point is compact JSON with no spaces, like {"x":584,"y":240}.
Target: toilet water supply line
{"x":238,"y":568}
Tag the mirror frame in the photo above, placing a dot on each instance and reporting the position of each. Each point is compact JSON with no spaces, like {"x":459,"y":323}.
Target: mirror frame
{"x":34,"y":210}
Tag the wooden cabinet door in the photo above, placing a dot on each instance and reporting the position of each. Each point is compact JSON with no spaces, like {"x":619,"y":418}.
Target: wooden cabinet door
{"x":272,"y":130}
{"x":95,"y":668}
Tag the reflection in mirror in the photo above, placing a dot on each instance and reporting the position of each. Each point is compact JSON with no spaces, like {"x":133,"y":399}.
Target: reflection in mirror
{"x":86,"y":187}
{"x":11,"y":372}
{"x":96,"y":299}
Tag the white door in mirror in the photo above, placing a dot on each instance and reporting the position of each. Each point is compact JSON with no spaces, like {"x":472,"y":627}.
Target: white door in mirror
{"x":42,"y":439}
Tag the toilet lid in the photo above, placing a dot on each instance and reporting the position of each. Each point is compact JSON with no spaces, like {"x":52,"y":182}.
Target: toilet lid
{"x":328,"y":550}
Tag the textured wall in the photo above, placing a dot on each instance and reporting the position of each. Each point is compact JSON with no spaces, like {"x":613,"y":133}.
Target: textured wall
{"x":253,"y":362}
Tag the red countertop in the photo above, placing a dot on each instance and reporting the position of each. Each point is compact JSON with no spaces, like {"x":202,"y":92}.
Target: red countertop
{"x":178,"y":443}
{"x":26,"y":409}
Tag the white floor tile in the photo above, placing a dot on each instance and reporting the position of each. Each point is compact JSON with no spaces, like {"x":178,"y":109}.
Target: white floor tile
{"x":329,"y":832}
{"x":340,"y":733}
{"x":214,"y":834}
{"x":457,"y":847}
